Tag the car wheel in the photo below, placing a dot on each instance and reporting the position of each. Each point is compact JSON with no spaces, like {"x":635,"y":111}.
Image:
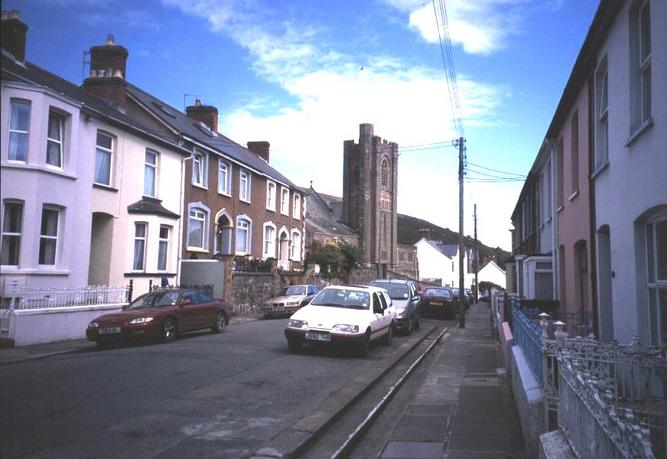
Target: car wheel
{"x":293,"y":346}
{"x":365,"y":345}
{"x":169,"y":330}
{"x":220,"y":323}
{"x":389,"y":337}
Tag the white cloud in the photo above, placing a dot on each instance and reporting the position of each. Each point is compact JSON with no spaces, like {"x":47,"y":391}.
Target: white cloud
{"x":334,"y":93}
{"x":480,"y":26}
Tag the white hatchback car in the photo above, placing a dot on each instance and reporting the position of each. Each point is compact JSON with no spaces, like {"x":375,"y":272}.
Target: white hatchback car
{"x":342,"y":315}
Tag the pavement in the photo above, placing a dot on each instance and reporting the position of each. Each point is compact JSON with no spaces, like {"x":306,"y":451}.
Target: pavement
{"x":13,"y":355}
{"x":464,"y":409}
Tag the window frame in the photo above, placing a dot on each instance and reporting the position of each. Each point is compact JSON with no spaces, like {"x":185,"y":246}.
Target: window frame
{"x":59,"y":142}
{"x":240,"y":220}
{"x":225,"y":185}
{"x":601,"y":153}
{"x":296,"y":206}
{"x":11,"y":131}
{"x":49,"y":237}
{"x":245,"y":191}
{"x":284,"y":201}
{"x":654,"y":284}
{"x":640,"y":67}
{"x":155,"y":169}
{"x":144,"y":240}
{"x":295,"y":245}
{"x":271,"y":190}
{"x":269,"y":245}
{"x":194,"y":207}
{"x":163,"y":241}
{"x":202,"y":167}
{"x":574,"y":152}
{"x":108,"y":151}
{"x":10,"y":234}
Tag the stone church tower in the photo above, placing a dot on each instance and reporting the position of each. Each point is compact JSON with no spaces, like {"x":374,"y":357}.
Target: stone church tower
{"x":370,"y":173}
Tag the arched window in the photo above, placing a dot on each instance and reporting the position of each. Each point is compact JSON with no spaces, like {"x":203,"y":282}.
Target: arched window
{"x":243,"y":235}
{"x":295,"y":247}
{"x":269,"y":245}
{"x":385,"y":173}
{"x":198,"y":222}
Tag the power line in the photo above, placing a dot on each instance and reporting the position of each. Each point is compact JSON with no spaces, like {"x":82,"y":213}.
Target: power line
{"x":496,"y":170}
{"x":486,"y":174}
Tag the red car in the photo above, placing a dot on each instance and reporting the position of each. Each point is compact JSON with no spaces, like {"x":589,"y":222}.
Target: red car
{"x":162,"y":315}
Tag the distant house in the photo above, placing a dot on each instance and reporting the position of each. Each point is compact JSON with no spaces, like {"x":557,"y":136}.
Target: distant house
{"x":439,"y":262}
{"x":491,"y":272}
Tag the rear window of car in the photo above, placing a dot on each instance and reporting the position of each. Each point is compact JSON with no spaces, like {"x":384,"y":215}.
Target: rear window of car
{"x":444,"y":292}
{"x":342,"y":298}
{"x":296,"y":290}
{"x":152,"y":300}
{"x":396,"y":291}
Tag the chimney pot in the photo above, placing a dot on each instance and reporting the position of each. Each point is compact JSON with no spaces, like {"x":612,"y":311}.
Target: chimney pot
{"x":261,"y":149}
{"x":107,"y":73}
{"x":13,"y":34}
{"x":207,"y":114}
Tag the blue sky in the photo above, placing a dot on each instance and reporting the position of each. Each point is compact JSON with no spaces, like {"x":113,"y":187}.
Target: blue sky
{"x":304,"y":74}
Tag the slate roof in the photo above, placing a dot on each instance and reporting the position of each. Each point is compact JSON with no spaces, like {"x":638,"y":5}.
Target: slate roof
{"x":197,"y":131}
{"x":449,"y":250}
{"x":148,"y":206}
{"x":35,"y":75}
{"x":320,"y":216}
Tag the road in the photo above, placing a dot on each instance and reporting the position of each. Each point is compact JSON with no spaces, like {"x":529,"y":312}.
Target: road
{"x":202,"y":396}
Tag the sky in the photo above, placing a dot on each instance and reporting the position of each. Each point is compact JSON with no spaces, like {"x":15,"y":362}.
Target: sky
{"x":304,"y":74}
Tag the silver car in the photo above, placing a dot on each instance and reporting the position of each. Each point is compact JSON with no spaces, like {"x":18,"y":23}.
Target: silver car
{"x":289,"y":300}
{"x":405,"y":298}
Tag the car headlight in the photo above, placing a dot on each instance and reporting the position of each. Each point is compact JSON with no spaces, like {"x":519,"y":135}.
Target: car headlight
{"x":141,"y":320}
{"x":294,"y":323}
{"x":93,"y":324}
{"x":345,"y":328}
{"x":293,"y":303}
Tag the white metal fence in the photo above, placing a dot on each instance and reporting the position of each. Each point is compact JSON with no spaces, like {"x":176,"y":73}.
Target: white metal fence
{"x":42,"y":298}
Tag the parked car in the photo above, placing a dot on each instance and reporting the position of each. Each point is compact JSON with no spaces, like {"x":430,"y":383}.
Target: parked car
{"x":348,"y":316}
{"x":469,"y":296}
{"x":440,"y":301}
{"x":289,"y":300}
{"x":455,"y":292}
{"x":163,"y":314}
{"x":404,"y":296}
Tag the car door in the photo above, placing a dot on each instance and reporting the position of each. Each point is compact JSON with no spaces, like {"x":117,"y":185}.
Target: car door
{"x":209,"y":309}
{"x":389,"y":312}
{"x":191,"y":312}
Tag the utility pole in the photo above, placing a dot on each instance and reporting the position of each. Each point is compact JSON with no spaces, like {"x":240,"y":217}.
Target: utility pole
{"x":461,"y":296}
{"x":476,"y":259}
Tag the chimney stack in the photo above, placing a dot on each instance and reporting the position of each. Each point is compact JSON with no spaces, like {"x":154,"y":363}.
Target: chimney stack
{"x":261,"y":149}
{"x":425,"y":233}
{"x":107,"y":73}
{"x":207,"y":114}
{"x":13,"y":34}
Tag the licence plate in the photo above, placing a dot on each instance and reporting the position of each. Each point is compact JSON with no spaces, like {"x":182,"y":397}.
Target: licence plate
{"x":314,"y":336}
{"x":436,"y":303}
{"x":109,"y":330}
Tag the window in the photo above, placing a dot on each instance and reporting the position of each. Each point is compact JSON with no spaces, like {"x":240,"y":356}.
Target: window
{"x":640,"y":65}
{"x":546,"y":192}
{"x":199,"y":168}
{"x":48,"y":236}
{"x":560,"y":172}
{"x":574,"y":157}
{"x":243,"y":231}
{"x":224,"y":177}
{"x":103,"y":153}
{"x":269,"y":246}
{"x":385,"y":173}
{"x":150,"y":173}
{"x":12,"y":221}
{"x":270,"y":196}
{"x":602,"y":121}
{"x":656,"y":251}
{"x":244,"y":186}
{"x":296,"y":206}
{"x":139,"y":246}
{"x":197,"y":226}
{"x":19,"y":127}
{"x":163,"y":248}
{"x":284,"y":201}
{"x":54,"y":140}
{"x":295,"y":248}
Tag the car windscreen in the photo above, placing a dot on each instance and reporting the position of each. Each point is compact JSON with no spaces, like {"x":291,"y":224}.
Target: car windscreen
{"x":444,"y":292}
{"x":296,"y":290}
{"x":396,"y":291}
{"x":342,"y":298}
{"x":152,"y":300}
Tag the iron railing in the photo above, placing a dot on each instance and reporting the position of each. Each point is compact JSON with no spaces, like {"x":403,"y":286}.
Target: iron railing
{"x":528,"y":335}
{"x":42,"y":298}
{"x":252,"y":265}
